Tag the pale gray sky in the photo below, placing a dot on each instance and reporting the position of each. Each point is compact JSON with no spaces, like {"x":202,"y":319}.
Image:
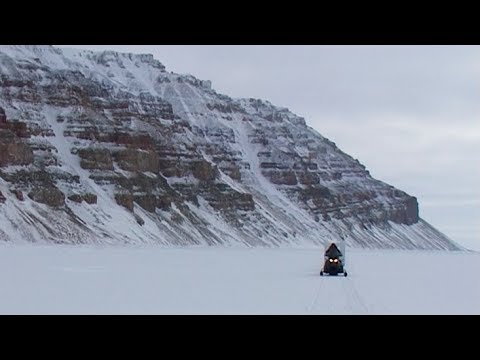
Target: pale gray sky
{"x":410,"y":114}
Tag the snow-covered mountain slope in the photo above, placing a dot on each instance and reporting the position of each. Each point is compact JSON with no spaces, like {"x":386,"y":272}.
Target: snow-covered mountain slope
{"x":111,"y":148}
{"x":152,"y":280}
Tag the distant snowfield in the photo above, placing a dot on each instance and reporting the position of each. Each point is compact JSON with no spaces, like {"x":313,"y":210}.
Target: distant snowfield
{"x":48,"y":279}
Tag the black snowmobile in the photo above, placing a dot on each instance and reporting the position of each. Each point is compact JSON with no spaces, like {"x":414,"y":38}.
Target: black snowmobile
{"x":334,"y":261}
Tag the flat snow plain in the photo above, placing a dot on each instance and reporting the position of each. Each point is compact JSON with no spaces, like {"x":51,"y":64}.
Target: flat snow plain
{"x":53,"y":279}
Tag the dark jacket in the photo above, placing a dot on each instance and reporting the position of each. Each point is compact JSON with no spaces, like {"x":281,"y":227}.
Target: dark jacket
{"x":333,"y":252}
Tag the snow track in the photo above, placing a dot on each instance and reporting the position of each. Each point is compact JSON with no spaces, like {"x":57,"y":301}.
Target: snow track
{"x":337,"y":295}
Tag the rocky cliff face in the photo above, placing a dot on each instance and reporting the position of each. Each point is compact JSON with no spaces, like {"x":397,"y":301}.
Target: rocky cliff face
{"x":112,"y":148}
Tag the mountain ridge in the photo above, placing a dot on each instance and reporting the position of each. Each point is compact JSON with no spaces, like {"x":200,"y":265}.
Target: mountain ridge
{"x":125,"y":152}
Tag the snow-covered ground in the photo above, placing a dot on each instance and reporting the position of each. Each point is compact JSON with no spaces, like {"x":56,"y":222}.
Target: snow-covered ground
{"x":45,"y":279}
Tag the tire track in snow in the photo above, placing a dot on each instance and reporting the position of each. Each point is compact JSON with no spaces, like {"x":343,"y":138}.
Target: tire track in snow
{"x":331,"y":296}
{"x":355,"y":300}
{"x":354,"y":294}
{"x":337,"y":298}
{"x":310,"y":307}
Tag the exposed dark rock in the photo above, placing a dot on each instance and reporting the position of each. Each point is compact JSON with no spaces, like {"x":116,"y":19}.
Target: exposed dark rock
{"x":164,"y":203}
{"x":135,"y":141}
{"x":406,"y":214}
{"x":412,"y":215}
{"x":139,"y":220}
{"x":225,"y":108}
{"x":18,"y":128}
{"x":172,"y":168}
{"x":26,"y":177}
{"x":316,"y":193}
{"x":308,"y":178}
{"x":13,"y":151}
{"x":51,"y":196}
{"x":137,"y":160}
{"x":99,"y":159}
{"x":90,"y":198}
{"x":76,"y":198}
{"x":284,"y":177}
{"x":234,"y":173}
{"x":203,"y":170}
{"x":147,"y":202}
{"x":273,"y":165}
{"x":223,"y":197}
{"x":3,"y":116}
{"x":18,"y":194}
{"x":125,"y":200}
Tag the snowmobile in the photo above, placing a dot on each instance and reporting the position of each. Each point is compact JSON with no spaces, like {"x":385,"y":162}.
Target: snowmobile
{"x":334,"y":260}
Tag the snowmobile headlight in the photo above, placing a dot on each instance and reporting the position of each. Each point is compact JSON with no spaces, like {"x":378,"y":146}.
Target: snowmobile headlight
{"x":331,"y":260}
{"x":336,"y":260}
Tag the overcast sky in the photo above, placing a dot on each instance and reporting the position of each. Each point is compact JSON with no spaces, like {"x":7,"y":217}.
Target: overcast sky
{"x":410,"y":114}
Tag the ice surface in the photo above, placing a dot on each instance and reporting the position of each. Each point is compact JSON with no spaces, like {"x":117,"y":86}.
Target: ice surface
{"x":45,"y":279}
